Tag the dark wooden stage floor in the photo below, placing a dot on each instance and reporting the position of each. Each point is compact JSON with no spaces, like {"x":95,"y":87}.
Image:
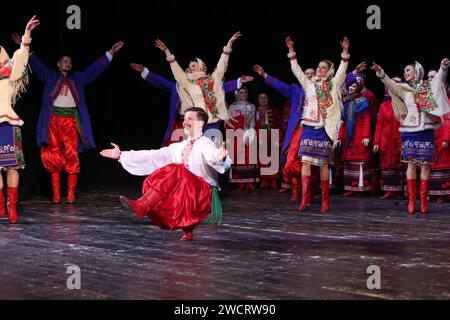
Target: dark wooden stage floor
{"x":265,"y":249}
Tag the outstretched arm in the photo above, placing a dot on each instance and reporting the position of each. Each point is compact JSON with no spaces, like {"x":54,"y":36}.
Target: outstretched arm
{"x":234,"y":85}
{"x":341,"y":72}
{"x":153,"y":78}
{"x":21,"y":55}
{"x":273,"y":82}
{"x":98,"y":67}
{"x":178,"y":73}
{"x":296,"y":69}
{"x":140,"y":163}
{"x":392,"y":86}
{"x":222,"y":65}
{"x":442,"y":73}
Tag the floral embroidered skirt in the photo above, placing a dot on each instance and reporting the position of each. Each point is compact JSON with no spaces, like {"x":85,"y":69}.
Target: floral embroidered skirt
{"x":315,"y":146}
{"x":11,"y":151}
{"x":418,"y":147}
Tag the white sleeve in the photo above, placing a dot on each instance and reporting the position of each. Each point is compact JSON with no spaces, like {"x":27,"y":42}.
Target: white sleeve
{"x":143,"y":163}
{"x":298,"y":73}
{"x":210,"y":154}
{"x":144,"y":73}
{"x":109,"y":55}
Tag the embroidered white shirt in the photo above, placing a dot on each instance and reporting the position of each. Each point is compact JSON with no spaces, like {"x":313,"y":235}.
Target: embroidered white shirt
{"x":203,"y":160}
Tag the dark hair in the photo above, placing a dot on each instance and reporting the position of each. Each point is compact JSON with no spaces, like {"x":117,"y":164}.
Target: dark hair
{"x":201,"y":114}
{"x":243,"y":88}
{"x":63,"y":56}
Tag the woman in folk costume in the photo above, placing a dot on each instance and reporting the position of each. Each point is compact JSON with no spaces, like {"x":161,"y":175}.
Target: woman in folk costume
{"x":418,"y":105}
{"x":268,"y":118}
{"x":355,"y":137}
{"x":13,"y":79}
{"x":440,"y":170}
{"x":181,"y":188}
{"x":175,"y":124}
{"x":242,"y":124}
{"x":439,"y":187}
{"x":197,"y":88}
{"x":321,"y":119}
{"x":388,"y":143}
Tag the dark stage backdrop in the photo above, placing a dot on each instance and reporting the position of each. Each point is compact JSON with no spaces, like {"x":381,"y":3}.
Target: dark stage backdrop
{"x":126,"y":110}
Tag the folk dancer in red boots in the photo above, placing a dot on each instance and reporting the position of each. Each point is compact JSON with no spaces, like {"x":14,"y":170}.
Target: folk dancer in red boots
{"x":181,"y":188}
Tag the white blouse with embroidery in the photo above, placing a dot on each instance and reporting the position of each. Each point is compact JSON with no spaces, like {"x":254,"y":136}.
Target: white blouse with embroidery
{"x":203,"y":160}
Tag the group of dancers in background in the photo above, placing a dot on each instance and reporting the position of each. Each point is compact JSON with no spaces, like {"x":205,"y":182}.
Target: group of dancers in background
{"x":331,"y":120}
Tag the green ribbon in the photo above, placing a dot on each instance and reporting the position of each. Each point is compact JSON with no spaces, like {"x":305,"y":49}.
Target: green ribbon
{"x":215,"y":216}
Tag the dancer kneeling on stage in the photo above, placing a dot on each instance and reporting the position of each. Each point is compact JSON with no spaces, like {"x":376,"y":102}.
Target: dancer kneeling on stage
{"x":181,"y":189}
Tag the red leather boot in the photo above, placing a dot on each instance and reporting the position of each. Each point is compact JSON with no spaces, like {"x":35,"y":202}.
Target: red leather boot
{"x":424,"y":196}
{"x":2,"y":204}
{"x":412,"y":195}
{"x":56,"y":187}
{"x":305,"y":186}
{"x":13,"y":196}
{"x":325,"y":196}
{"x":71,"y":185}
{"x":296,"y":186}
{"x":188,"y":234}
{"x":142,"y":206}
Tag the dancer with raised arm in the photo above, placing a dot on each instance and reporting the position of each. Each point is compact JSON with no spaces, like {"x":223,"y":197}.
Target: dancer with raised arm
{"x":197,"y":88}
{"x":64,"y":126}
{"x":175,"y":116}
{"x":181,"y":188}
{"x":321,"y":118}
{"x":13,"y":80}
{"x":417,"y":106}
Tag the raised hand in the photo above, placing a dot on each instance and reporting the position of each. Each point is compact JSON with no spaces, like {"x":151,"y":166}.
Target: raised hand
{"x":360,"y":68}
{"x":16,"y":38}
{"x":378,"y":70}
{"x":233,"y":39}
{"x":137,"y":67}
{"x":162,"y":46}
{"x":245,"y":79}
{"x":259,"y":70}
{"x":111,"y":153}
{"x":116,"y":47}
{"x":289,"y":44}
{"x":376,"y":148}
{"x":445,"y":63}
{"x":32,"y":24}
{"x":345,"y":44}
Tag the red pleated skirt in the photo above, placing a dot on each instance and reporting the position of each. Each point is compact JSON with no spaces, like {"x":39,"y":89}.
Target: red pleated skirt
{"x":185,"y":197}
